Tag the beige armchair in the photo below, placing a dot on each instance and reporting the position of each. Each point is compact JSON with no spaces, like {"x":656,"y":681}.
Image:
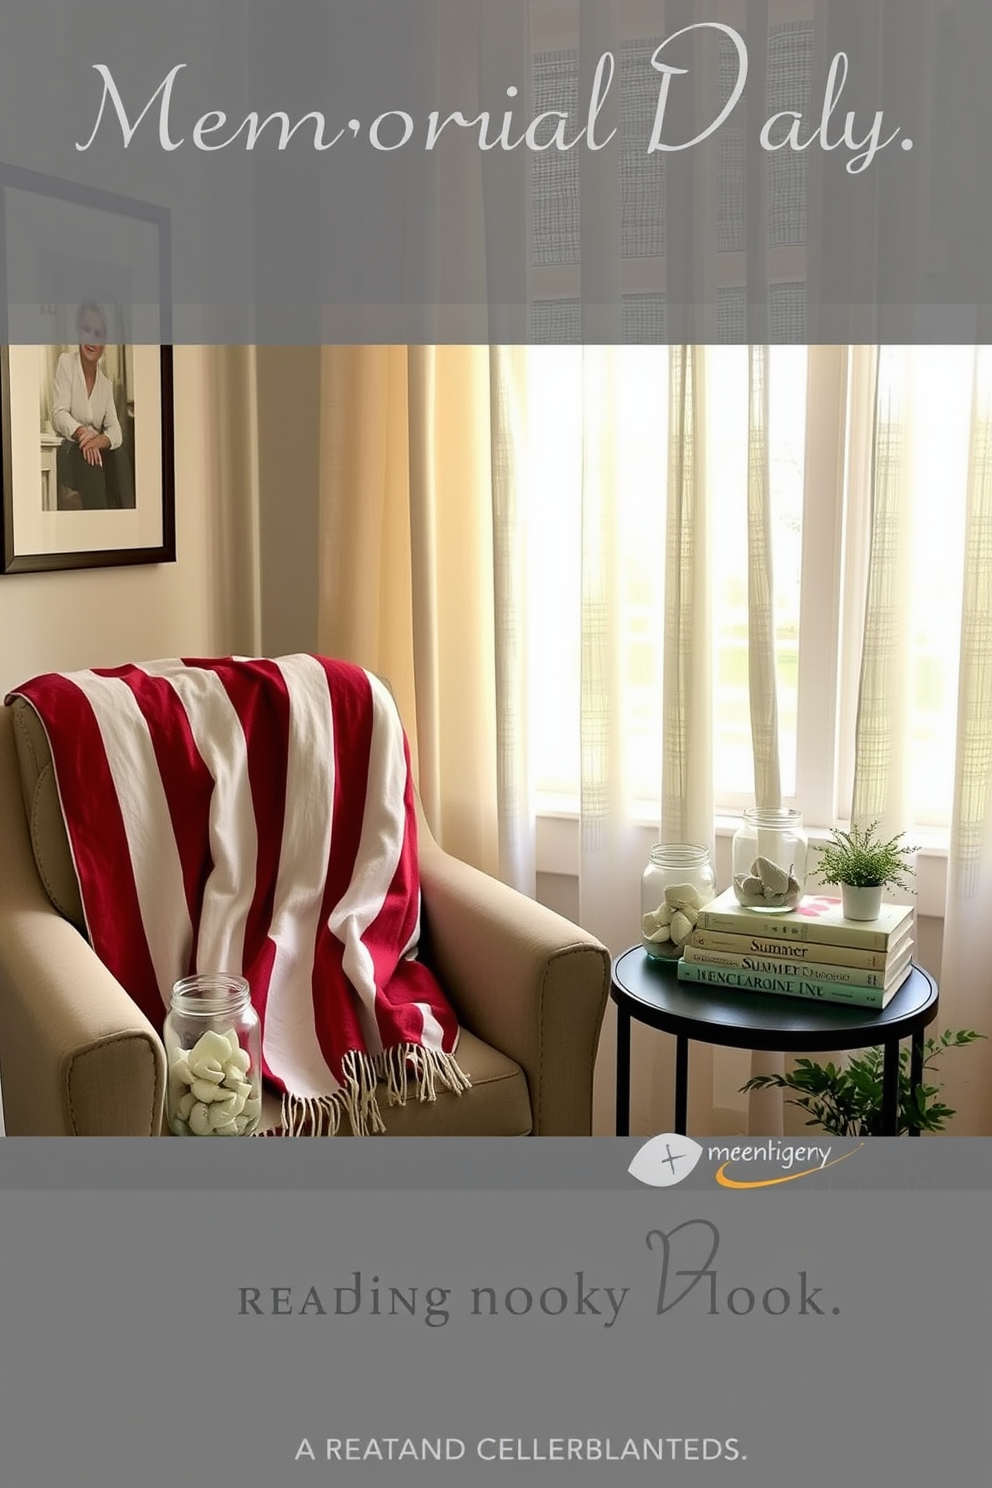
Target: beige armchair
{"x":77,"y":1057}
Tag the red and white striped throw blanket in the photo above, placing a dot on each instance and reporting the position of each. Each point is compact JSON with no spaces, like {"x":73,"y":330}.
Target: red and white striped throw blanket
{"x":257,"y":817}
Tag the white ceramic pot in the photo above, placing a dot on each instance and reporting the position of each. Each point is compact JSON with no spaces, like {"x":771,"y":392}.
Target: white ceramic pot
{"x":861,"y":903}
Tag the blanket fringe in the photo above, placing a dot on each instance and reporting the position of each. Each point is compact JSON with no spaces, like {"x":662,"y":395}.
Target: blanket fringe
{"x":428,"y":1071}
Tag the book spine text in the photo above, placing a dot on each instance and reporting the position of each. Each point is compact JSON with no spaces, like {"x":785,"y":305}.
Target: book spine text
{"x":751,"y":981}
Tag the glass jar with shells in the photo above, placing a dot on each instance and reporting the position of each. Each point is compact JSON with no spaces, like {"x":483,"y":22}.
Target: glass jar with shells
{"x":212,"y":1039}
{"x":769,"y":859}
{"x":677,"y":882}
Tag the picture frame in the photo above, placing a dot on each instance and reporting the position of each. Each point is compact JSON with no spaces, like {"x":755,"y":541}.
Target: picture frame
{"x":41,"y":531}
{"x":87,"y":438}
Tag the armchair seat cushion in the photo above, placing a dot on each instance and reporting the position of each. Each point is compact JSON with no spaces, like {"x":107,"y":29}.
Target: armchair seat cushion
{"x":497,"y":1105}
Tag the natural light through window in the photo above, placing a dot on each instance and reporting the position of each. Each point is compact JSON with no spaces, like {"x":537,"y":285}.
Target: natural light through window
{"x":620,"y":397}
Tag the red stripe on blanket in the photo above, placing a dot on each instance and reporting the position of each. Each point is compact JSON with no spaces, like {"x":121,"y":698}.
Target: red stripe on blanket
{"x":351,"y":710}
{"x":97,"y":836}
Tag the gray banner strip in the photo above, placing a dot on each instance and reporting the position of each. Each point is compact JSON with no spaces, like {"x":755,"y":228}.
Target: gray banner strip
{"x":463,"y":171}
{"x":534,"y":1164}
{"x":365,"y":1339}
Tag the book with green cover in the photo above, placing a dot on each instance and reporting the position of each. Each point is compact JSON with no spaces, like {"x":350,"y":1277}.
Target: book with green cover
{"x":801,"y":952}
{"x":817,"y":920}
{"x":756,"y":981}
{"x":808,"y":971}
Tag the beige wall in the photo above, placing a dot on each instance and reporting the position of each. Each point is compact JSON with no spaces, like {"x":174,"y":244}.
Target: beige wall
{"x":203,"y":604}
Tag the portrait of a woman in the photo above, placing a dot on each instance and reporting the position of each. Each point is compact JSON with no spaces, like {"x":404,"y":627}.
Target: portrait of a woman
{"x":92,"y":467}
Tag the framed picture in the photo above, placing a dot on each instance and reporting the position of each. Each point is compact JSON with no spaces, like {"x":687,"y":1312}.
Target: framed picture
{"x":87,"y":456}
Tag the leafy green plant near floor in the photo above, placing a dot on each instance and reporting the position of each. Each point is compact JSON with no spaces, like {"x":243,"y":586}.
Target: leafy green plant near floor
{"x":860,"y":858}
{"x":847,"y":1102}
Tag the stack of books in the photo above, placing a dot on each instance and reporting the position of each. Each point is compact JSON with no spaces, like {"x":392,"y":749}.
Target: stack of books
{"x":811,"y":951}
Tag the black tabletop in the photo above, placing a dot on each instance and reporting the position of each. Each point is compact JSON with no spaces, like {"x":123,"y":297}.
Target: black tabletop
{"x":650,"y":991}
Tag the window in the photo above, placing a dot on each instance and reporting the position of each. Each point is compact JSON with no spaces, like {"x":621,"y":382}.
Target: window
{"x":819,"y":443}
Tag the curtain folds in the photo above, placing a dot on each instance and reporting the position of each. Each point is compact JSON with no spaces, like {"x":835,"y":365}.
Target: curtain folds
{"x":407,"y":574}
{"x":764,"y":1106}
{"x":966,"y":969}
{"x":885,"y":739}
{"x":687,"y":808}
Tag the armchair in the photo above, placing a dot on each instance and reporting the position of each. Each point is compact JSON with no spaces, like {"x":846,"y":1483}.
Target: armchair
{"x":78,"y":1058}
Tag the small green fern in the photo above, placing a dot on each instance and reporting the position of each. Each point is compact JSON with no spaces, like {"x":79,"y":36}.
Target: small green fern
{"x":860,"y":858}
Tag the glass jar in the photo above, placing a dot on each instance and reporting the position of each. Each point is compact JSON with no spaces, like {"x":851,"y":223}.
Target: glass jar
{"x":675,"y":885}
{"x":769,"y":859}
{"x":213,"y":1047}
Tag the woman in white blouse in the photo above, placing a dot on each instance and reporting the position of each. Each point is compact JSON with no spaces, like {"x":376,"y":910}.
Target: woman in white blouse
{"x":84,"y":413}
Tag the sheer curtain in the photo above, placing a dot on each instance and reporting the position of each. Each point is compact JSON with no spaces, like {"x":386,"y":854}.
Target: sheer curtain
{"x":931,"y":531}
{"x":966,"y":969}
{"x":428,"y":555}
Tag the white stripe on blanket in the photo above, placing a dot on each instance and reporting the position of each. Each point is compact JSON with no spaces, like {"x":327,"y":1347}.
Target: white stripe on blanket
{"x":292,"y":1050}
{"x":219,"y":737}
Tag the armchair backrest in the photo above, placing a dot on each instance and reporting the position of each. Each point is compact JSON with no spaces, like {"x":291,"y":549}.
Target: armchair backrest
{"x":46,"y":824}
{"x":39,"y":792}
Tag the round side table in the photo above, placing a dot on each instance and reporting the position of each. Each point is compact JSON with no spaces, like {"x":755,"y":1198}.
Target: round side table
{"x":649,"y":992}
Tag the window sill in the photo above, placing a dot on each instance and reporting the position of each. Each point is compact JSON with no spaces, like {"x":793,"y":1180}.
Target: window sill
{"x":557,"y":850}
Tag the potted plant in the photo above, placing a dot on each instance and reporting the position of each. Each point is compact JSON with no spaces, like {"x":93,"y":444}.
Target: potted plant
{"x":848,"y":1102}
{"x":864,"y":865}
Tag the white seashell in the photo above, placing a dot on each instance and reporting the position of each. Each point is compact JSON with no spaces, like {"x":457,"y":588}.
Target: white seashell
{"x":185,"y":1106}
{"x":229,"y":1129}
{"x":655,"y":918}
{"x":253,"y":1108}
{"x":232,"y":1040}
{"x":211,"y":1048}
{"x":752,"y":887}
{"x":179,"y":1128}
{"x":660,"y":936}
{"x":240,"y":1087}
{"x":179,"y":1069}
{"x":679,"y":895}
{"x":772,"y":876}
{"x":206,"y":1069}
{"x":222,"y":1112}
{"x":681,"y":928}
{"x":240,"y":1061}
{"x":691,"y":914}
{"x":207,"y":1092}
{"x":199,"y":1120}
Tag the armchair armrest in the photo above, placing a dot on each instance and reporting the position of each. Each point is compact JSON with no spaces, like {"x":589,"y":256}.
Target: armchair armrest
{"x":79,"y":1058}
{"x":522,"y":978}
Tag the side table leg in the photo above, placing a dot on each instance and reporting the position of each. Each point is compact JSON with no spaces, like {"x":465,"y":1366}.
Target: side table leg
{"x":681,"y":1084}
{"x":916,"y":1069}
{"x":890,"y":1089}
{"x":623,"y":1072}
